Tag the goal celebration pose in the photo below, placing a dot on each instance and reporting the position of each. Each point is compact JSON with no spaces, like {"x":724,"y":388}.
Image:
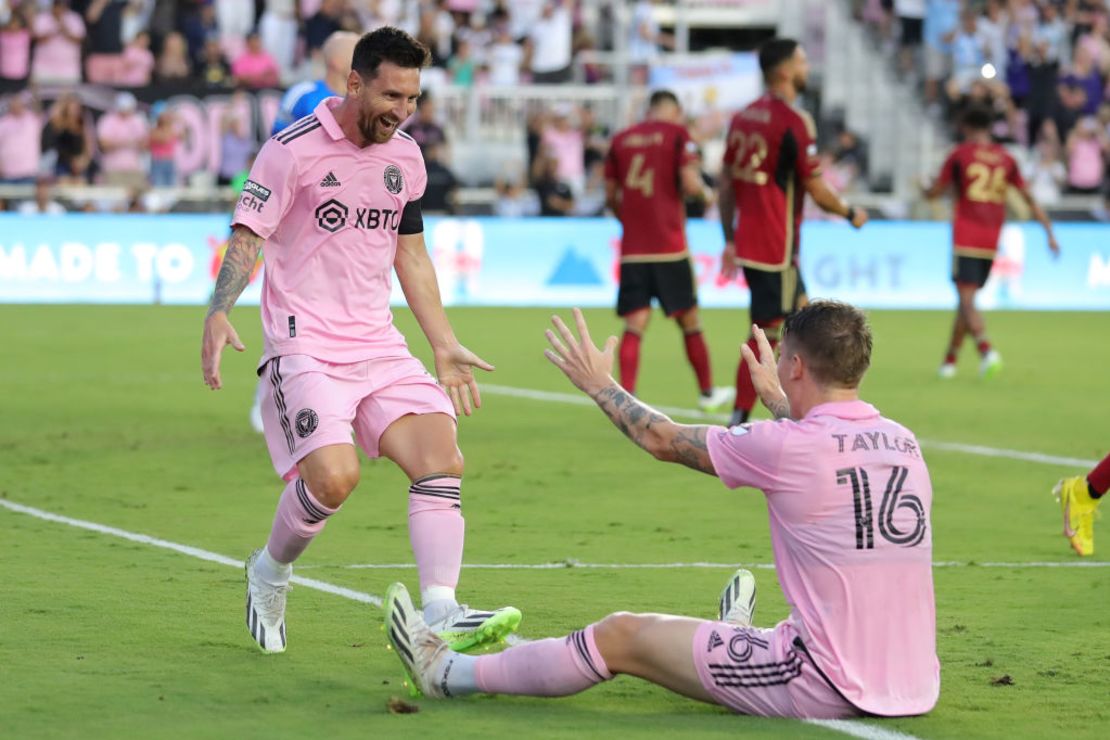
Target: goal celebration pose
{"x":849,"y":499}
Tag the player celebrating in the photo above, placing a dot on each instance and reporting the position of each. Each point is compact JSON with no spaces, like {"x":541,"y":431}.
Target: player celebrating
{"x":1079,"y":498}
{"x":651,"y":168}
{"x":336,"y":198}
{"x":849,"y":498}
{"x":770,"y":163}
{"x":981,"y":172}
{"x":299,"y":101}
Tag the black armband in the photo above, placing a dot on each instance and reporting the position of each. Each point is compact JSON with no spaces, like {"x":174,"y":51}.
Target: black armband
{"x":412,"y":220}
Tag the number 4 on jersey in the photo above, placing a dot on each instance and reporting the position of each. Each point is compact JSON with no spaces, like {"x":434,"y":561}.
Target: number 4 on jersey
{"x":892,"y":500}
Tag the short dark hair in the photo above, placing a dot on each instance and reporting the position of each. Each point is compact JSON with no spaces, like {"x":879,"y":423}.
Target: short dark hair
{"x":388,"y":44}
{"x":977,"y":118}
{"x":775,"y":52}
{"x":834,"y":339}
{"x":662,"y":96}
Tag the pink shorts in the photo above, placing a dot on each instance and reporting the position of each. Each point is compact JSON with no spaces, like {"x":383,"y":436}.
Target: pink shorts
{"x":762,"y":672}
{"x":309,"y":403}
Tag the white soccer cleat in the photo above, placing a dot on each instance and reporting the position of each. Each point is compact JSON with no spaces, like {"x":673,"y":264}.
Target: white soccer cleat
{"x":947,"y":371}
{"x":990,"y":365}
{"x":465,"y":629}
{"x":420,"y":650}
{"x":719,"y":397}
{"x":737,"y":606}
{"x":265,"y":610}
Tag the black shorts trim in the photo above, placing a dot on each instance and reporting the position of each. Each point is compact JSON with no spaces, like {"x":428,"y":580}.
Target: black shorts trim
{"x":971,"y":270}
{"x":775,"y":294}
{"x":671,"y":283}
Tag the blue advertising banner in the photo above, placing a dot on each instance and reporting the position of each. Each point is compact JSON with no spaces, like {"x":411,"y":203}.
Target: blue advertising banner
{"x":174,"y":259}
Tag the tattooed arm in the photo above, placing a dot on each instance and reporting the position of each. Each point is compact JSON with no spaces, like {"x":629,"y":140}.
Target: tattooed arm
{"x":655,"y":432}
{"x":235,"y":273}
{"x":589,"y":369}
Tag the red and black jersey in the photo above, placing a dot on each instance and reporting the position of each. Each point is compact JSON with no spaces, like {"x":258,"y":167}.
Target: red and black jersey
{"x":646,"y":161}
{"x":981,"y":174}
{"x":771,"y":152}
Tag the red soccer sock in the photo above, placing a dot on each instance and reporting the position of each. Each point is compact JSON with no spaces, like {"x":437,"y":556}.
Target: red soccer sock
{"x":950,"y":357}
{"x":1099,"y":478}
{"x":698,"y":354}
{"x":629,"y":360}
{"x":745,"y":389}
{"x":984,"y":345}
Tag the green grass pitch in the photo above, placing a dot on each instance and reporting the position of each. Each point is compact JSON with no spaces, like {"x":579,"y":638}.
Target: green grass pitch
{"x":106,"y":419}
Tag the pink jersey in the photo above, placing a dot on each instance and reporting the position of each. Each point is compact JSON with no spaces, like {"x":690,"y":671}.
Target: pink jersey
{"x":849,"y":498}
{"x":330,"y":213}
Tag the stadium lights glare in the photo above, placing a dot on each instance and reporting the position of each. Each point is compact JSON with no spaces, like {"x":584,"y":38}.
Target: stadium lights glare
{"x":989,"y":71}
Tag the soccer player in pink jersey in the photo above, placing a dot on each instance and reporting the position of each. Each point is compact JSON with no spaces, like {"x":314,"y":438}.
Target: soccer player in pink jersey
{"x":849,"y":497}
{"x":336,"y":199}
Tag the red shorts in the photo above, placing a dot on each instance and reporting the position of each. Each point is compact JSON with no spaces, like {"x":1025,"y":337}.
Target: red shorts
{"x":762,"y":672}
{"x":309,"y":403}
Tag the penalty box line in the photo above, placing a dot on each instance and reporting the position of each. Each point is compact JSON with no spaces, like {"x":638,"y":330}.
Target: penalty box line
{"x":846,"y":727}
{"x":695,"y":414}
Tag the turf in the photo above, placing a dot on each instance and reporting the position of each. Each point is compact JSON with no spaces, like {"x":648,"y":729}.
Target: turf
{"x":107,"y":420}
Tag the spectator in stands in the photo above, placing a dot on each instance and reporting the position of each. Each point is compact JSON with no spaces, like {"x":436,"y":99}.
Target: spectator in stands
{"x":504,"y":58}
{"x":1079,"y":92}
{"x":200,"y":27}
{"x":911,"y":21}
{"x":514,"y":200}
{"x":331,"y":17}
{"x":595,"y":135}
{"x":235,"y":19}
{"x":138,"y":62}
{"x":523,"y":16}
{"x":136,"y":19}
{"x":58,"y":33}
{"x":462,"y":66}
{"x":15,"y":44}
{"x":591,"y":201}
{"x":478,"y":34}
{"x":424,"y":129}
{"x":850,"y":155}
{"x":567,"y":144}
{"x":43,"y":203}
{"x":124,"y":137}
{"x":435,"y":30}
{"x":555,"y":196}
{"x":551,"y":44}
{"x":967,"y":56}
{"x":255,"y":67}
{"x":1087,"y":148}
{"x":441,"y":192}
{"x":277,"y":31}
{"x":20,"y":141}
{"x":236,"y":143}
{"x":1053,"y":32}
{"x":1046,"y":174}
{"x":645,"y":39}
{"x":104,"y":20}
{"x":1040,"y":105}
{"x":164,"y":138}
{"x":993,"y":31}
{"x":67,"y":135}
{"x":214,"y":69}
{"x":173,"y":62}
{"x":941,"y":22}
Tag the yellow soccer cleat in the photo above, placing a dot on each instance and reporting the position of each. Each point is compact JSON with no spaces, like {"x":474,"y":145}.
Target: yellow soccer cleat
{"x":1080,"y":511}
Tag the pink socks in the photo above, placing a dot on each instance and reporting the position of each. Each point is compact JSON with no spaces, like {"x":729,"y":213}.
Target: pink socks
{"x":299,"y":518}
{"x":552,"y":667}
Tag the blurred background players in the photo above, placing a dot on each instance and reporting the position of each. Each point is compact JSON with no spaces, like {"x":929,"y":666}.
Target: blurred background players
{"x":770,"y":163}
{"x":1079,"y":498}
{"x":651,"y":168}
{"x":981,"y":172}
{"x":300,"y":100}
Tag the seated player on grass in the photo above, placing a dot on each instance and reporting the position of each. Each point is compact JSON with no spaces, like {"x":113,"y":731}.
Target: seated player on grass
{"x":1079,"y":498}
{"x":849,"y":498}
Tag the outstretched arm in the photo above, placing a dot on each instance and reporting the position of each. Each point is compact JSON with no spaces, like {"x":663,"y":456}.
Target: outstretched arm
{"x":1042,"y":218}
{"x":454,"y":363}
{"x":590,"y":370}
{"x":830,"y":201}
{"x":235,"y":273}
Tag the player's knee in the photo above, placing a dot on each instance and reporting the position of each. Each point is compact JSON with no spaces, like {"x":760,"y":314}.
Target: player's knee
{"x":447,"y":462}
{"x":617,"y":638}
{"x":333,"y":485}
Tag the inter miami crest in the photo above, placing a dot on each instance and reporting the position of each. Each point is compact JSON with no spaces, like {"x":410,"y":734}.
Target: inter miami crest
{"x":307,"y":421}
{"x":394,"y":181}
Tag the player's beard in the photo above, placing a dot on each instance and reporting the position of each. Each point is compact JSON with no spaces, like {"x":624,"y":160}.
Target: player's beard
{"x":800,"y":84}
{"x":378,"y":129}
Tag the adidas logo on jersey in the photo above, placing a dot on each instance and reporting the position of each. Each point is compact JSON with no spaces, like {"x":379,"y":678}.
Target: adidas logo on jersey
{"x":330,"y":181}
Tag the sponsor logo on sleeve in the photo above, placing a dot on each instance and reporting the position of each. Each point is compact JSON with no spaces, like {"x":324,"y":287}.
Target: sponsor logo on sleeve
{"x":258,"y":191}
{"x":394,"y":180}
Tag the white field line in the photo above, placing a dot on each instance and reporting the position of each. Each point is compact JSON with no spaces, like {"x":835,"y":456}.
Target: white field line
{"x":572,"y":564}
{"x":854,"y":729}
{"x":580,"y":400}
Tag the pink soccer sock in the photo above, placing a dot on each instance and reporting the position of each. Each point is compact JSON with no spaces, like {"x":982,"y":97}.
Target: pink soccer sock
{"x":552,"y":667}
{"x":299,"y":518}
{"x":436,"y":530}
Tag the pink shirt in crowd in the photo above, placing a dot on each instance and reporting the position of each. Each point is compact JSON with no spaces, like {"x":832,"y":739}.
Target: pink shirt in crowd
{"x":117,"y":128}
{"x":250,"y":67}
{"x":849,"y":497}
{"x":15,"y":54}
{"x":57,"y":59}
{"x":135,"y":67}
{"x":329,"y":212}
{"x":568,"y":147}
{"x":20,"y":145}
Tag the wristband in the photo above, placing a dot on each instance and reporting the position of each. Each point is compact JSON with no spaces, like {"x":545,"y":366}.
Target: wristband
{"x":851,"y":215}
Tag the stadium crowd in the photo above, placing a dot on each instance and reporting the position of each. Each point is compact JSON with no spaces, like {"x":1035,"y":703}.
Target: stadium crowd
{"x":1041,"y":66}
